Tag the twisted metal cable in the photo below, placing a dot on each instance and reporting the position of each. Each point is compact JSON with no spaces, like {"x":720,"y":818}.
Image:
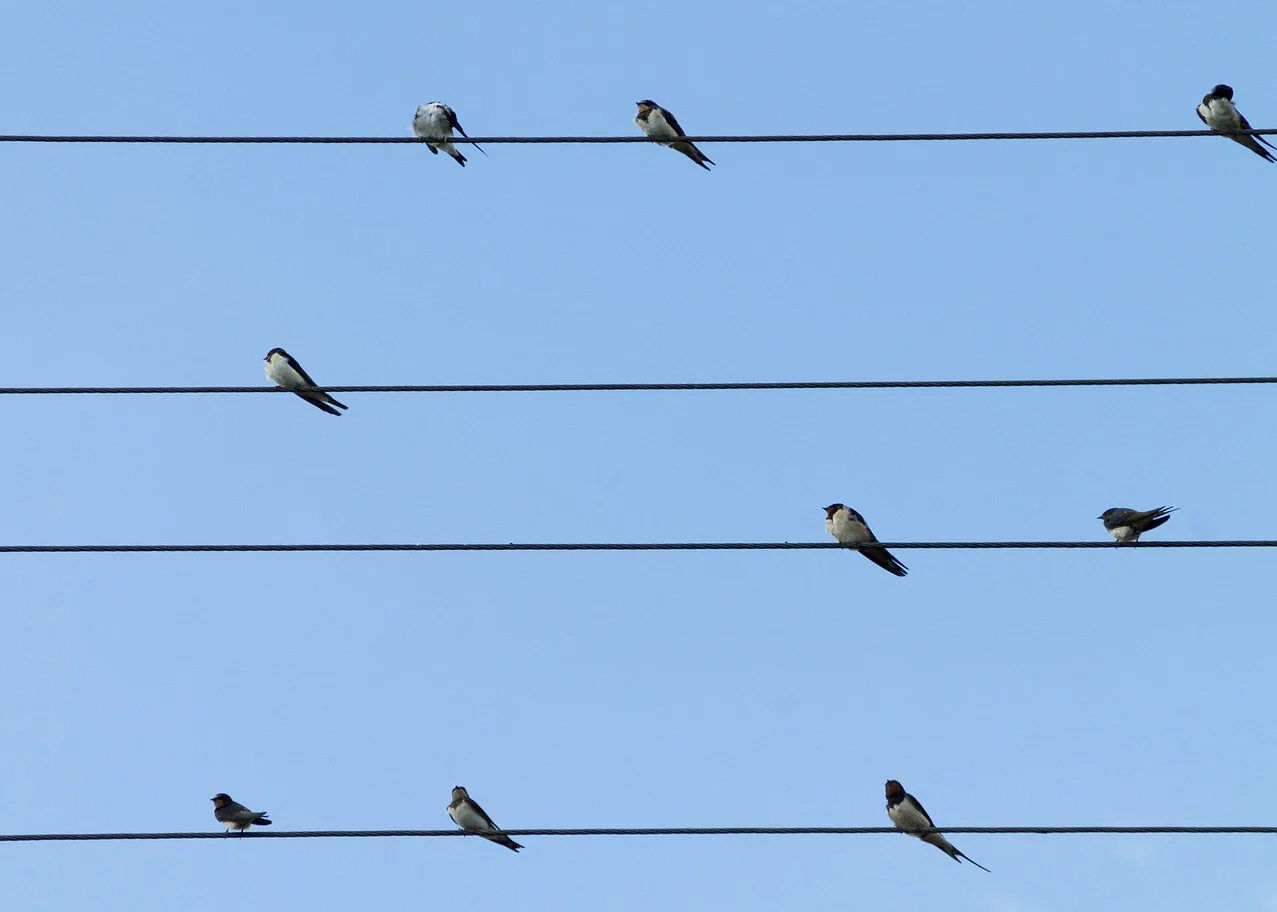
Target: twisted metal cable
{"x":663,"y":831}
{"x":647,"y":387}
{"x":596,"y":140}
{"x":637,"y":546}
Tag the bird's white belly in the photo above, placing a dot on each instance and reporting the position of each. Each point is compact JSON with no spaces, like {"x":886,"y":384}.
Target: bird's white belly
{"x":657,"y":126}
{"x":468,"y":819}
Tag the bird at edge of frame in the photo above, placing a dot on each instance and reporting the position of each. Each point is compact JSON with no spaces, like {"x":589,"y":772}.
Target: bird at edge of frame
{"x":285,"y":372}
{"x":1219,"y":113}
{"x":849,"y":527}
{"x":434,"y":122}
{"x":907,"y":813}
{"x":660,"y":125}
{"x":234,"y":816}
{"x":1127,"y":525}
{"x":466,"y":813}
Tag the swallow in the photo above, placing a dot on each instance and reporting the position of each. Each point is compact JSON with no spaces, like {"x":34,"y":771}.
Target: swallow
{"x":848,"y":526}
{"x":467,"y":814}
{"x":436,"y":121}
{"x":1219,"y":113}
{"x":907,"y":813}
{"x":234,"y":816}
{"x":283,"y":369}
{"x":1127,"y":525}
{"x":657,"y":122}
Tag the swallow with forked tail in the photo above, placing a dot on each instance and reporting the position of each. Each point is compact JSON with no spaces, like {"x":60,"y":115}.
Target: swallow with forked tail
{"x":1219,"y":113}
{"x":849,"y":527}
{"x":660,"y":124}
{"x":907,"y":813}
{"x":466,"y":813}
{"x":283,"y":369}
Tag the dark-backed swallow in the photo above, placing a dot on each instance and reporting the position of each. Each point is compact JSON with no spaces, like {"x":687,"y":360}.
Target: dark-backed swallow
{"x":235,"y":816}
{"x":659,"y":123}
{"x":1219,"y":113}
{"x":1127,"y":525}
{"x":467,"y":814}
{"x":436,"y":121}
{"x":283,"y":369}
{"x":848,"y":526}
{"x":907,"y":813}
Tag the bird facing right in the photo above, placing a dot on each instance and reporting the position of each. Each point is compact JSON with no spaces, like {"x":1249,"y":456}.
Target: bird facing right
{"x":234,"y":816}
{"x":466,"y":813}
{"x":907,"y":813}
{"x":1127,"y":525}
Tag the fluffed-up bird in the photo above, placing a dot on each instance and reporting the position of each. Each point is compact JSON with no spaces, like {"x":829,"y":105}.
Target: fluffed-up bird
{"x":1219,"y":113}
{"x":234,"y":816}
{"x":1127,"y":525}
{"x":659,"y":123}
{"x":849,"y":527}
{"x":466,"y":813}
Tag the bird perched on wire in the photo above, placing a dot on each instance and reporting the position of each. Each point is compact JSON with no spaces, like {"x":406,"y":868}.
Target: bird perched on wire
{"x":1127,"y":525}
{"x":1219,"y":113}
{"x":659,"y":123}
{"x":283,"y":369}
{"x":848,"y":526}
{"x":434,"y":122}
{"x":234,"y":816}
{"x":466,"y":813}
{"x":907,"y":813}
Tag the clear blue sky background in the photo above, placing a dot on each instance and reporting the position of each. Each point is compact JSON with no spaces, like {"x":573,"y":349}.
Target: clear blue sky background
{"x":595,"y":690}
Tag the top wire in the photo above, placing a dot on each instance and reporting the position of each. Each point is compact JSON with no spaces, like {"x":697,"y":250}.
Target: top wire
{"x":773,"y":138}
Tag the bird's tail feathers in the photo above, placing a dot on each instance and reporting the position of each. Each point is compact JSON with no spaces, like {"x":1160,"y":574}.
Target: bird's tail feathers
{"x":973,"y":861}
{"x":505,"y":841}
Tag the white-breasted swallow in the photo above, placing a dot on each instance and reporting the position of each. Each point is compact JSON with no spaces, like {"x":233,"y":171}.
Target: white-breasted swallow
{"x":656,"y":122}
{"x":283,"y":369}
{"x":234,"y":816}
{"x":1219,"y":113}
{"x":849,"y":527}
{"x":1127,"y":525}
{"x":907,"y":813}
{"x":434,"y":122}
{"x":466,"y":813}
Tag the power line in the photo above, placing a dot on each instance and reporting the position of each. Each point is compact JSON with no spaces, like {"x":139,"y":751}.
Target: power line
{"x":668,"y":831}
{"x":647,"y":387}
{"x":562,"y":140}
{"x":638,"y":546}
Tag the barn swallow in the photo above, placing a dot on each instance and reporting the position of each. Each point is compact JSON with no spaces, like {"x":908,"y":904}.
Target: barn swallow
{"x":655,"y":121}
{"x":235,"y":816}
{"x":283,"y":369}
{"x":848,"y":526}
{"x":436,"y":121}
{"x":1219,"y":113}
{"x":1127,"y":525}
{"x":907,"y":813}
{"x":467,"y":814}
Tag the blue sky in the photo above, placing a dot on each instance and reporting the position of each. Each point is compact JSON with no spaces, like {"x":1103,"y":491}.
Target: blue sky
{"x":352,"y":691}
